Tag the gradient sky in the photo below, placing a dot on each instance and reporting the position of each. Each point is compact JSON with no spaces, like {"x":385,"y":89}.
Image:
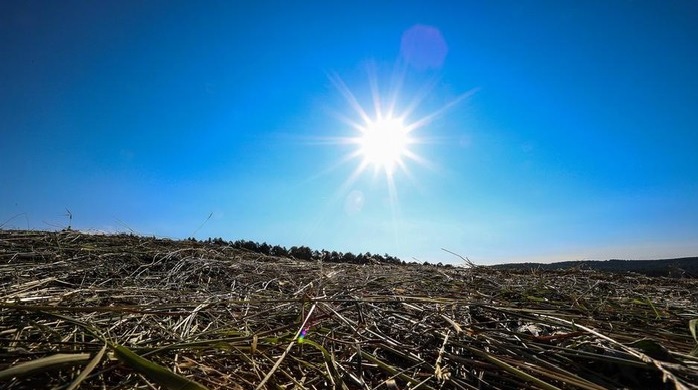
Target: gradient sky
{"x":576,"y":136}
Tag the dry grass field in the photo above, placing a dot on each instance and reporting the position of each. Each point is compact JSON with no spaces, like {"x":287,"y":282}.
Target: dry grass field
{"x":124,"y":312}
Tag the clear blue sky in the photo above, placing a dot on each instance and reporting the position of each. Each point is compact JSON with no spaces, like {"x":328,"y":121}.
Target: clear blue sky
{"x":578,"y":138}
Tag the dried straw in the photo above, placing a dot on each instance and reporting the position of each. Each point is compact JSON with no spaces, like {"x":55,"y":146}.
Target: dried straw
{"x":133,"y":312}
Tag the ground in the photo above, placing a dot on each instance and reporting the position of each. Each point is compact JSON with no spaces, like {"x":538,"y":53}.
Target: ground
{"x":121,"y":311}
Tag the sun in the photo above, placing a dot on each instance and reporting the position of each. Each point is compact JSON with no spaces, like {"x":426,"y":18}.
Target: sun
{"x":383,"y":143}
{"x":386,"y":131}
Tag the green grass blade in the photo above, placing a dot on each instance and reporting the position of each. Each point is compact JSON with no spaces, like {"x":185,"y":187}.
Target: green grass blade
{"x":26,"y":368}
{"x":693,"y":327}
{"x":330,"y":361}
{"x":155,"y":372}
{"x":515,"y":371}
{"x":88,"y":369}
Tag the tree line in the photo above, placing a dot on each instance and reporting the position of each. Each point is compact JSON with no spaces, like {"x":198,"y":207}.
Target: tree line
{"x":304,"y":252}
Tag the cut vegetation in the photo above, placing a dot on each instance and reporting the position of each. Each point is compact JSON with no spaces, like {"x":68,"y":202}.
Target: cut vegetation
{"x":126,"y":312}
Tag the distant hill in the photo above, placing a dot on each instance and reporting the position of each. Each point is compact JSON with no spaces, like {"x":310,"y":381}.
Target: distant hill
{"x":686,"y":267}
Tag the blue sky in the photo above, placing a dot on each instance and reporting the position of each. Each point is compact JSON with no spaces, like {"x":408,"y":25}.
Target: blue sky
{"x":575,"y":135}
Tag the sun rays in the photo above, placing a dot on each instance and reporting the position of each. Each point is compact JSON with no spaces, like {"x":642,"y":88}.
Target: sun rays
{"x":386,"y":131}
{"x":385,"y":134}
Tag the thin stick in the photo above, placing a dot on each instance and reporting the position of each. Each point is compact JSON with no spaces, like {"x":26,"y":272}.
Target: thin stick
{"x":288,"y":348}
{"x":465,"y":259}
{"x":202,"y":224}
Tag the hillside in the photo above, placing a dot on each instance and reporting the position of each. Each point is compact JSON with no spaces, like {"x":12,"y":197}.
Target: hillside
{"x":686,"y":267}
{"x":135,"y":312}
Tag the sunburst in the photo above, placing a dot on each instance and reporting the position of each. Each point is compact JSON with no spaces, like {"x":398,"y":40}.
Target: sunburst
{"x":384,"y":141}
{"x":385,"y":138}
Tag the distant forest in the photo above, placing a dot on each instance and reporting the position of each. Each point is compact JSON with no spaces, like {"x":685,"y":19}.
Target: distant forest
{"x":305,"y":253}
{"x":686,"y":267}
